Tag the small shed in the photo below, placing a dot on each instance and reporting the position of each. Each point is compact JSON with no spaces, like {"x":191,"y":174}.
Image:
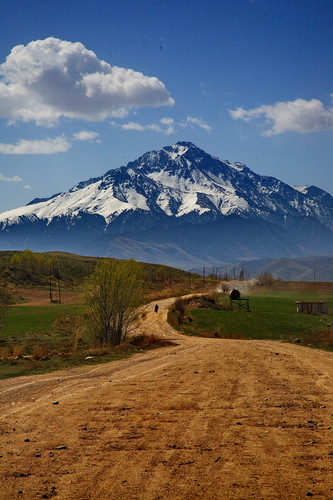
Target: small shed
{"x":312,"y":306}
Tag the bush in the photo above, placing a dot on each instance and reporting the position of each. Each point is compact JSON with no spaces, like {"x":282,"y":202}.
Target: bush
{"x":18,"y":351}
{"x":4,"y":353}
{"x":39,"y":352}
{"x":113,"y":294}
{"x":320,"y":338}
{"x":145,"y":340}
{"x":180,"y":306}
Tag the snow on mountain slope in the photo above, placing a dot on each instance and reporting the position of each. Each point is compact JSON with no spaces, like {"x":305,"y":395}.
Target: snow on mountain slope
{"x":177,"y":182}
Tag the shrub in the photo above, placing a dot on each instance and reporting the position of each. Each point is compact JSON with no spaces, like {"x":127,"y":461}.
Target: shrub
{"x":180,"y":306}
{"x":145,"y":340}
{"x":113,"y":294}
{"x":172,"y":318}
{"x":322,"y":338}
{"x":18,"y":351}
{"x":4,"y":353}
{"x":39,"y":352}
{"x":99,"y":351}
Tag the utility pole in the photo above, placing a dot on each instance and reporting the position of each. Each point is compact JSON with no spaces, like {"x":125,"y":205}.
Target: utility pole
{"x":50,"y":283}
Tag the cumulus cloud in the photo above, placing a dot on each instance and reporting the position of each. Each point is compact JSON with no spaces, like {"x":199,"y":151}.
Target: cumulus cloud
{"x":165,"y":126}
{"x":52,"y":78}
{"x":47,"y":146}
{"x":86,"y":135}
{"x":292,"y":116}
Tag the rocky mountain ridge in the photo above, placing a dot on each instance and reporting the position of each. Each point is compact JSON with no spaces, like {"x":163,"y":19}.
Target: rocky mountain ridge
{"x":175,"y":206}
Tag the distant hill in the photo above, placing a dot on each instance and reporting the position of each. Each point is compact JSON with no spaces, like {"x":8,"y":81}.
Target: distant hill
{"x":312,"y":268}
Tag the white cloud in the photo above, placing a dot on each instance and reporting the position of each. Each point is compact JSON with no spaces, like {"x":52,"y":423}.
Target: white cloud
{"x":168,"y":125}
{"x":204,"y":91}
{"x":60,"y":144}
{"x":52,"y":78}
{"x":167,"y":121}
{"x":85,"y":135}
{"x":47,"y":146}
{"x":15,"y":178}
{"x":165,"y":126}
{"x":131,"y":126}
{"x":292,"y":116}
{"x":191,"y":121}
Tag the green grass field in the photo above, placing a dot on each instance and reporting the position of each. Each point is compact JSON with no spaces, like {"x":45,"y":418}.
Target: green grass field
{"x":35,"y":321}
{"x":40,"y":339}
{"x":31,"y":333}
{"x":273,"y":316}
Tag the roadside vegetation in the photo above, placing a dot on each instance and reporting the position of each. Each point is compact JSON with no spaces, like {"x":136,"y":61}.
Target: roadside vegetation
{"x":74,"y":323}
{"x":113,"y":294}
{"x":273,"y":316}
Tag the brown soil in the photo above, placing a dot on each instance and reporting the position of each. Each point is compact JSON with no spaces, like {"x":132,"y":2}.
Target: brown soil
{"x":203,"y":419}
{"x":41,"y":297}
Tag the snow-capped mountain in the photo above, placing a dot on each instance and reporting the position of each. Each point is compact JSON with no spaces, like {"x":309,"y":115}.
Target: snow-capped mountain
{"x":162,"y":205}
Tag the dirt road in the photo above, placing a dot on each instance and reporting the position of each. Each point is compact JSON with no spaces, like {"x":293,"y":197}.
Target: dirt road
{"x":204,"y":419}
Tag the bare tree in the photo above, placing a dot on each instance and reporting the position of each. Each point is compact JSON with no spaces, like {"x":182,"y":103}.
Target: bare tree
{"x":112,"y":295}
{"x":266,"y":279}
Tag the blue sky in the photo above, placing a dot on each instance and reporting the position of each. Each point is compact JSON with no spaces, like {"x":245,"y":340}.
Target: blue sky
{"x":89,"y":86}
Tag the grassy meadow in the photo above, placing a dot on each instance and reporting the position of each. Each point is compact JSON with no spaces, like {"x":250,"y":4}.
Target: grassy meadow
{"x":273,"y":316}
{"x":52,"y":336}
{"x":40,"y":339}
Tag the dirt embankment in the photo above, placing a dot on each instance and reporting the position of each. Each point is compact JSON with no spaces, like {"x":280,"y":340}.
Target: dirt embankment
{"x":204,"y":419}
{"x":41,"y":297}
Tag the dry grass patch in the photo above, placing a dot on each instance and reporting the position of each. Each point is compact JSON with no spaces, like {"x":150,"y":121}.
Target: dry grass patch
{"x":149,"y":340}
{"x":39,"y":352}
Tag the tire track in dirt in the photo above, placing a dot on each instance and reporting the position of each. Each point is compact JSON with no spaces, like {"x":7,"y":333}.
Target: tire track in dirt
{"x":206,"y":418}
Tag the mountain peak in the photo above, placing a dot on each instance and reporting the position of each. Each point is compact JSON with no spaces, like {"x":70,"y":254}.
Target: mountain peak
{"x":178,"y":190}
{"x":186,"y":144}
{"x":179,"y":149}
{"x":180,"y":183}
